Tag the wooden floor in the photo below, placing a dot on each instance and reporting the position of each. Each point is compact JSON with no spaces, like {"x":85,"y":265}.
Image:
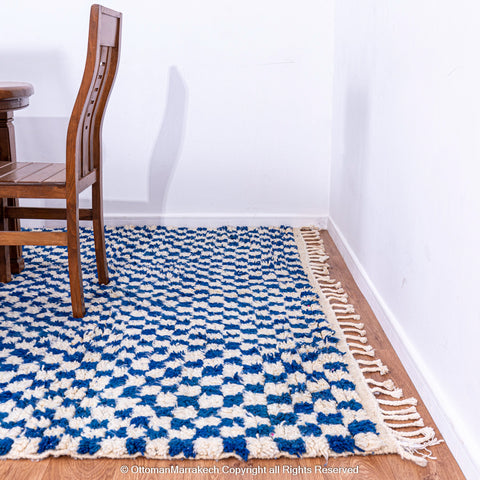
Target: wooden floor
{"x":373,"y":467}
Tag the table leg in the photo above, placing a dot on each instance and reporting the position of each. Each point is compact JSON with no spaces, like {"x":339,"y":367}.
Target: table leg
{"x":8,"y":154}
{"x":5,"y":269}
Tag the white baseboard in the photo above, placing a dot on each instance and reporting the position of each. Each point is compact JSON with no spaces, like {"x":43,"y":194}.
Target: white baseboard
{"x":214,"y":220}
{"x":443,"y":413}
{"x":194,"y":220}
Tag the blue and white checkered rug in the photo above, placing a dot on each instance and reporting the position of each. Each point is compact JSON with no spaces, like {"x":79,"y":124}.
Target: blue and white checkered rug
{"x":205,"y":344}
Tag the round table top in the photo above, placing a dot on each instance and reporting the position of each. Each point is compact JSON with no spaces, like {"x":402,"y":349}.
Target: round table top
{"x":15,"y":90}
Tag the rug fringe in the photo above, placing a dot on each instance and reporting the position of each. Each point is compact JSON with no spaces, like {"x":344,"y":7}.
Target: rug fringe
{"x":411,"y":444}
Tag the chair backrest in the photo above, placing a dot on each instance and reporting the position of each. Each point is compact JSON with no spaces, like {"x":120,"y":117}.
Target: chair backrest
{"x":84,"y":130}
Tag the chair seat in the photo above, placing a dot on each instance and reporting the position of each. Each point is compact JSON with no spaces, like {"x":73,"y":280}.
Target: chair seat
{"x":31,"y":174}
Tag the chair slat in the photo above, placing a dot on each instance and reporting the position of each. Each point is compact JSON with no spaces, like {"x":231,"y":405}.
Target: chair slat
{"x":33,"y":238}
{"x":19,"y":174}
{"x":12,"y":167}
{"x":42,"y":175}
{"x":46,"y":213}
{"x":58,"y":177}
{"x":4,"y":167}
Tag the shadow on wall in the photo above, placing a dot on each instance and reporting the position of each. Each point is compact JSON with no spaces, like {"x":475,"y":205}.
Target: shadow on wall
{"x":165,"y":154}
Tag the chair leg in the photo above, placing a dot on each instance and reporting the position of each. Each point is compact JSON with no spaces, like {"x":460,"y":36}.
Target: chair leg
{"x":74,"y":261}
{"x":5,"y":272}
{"x":98,"y":233}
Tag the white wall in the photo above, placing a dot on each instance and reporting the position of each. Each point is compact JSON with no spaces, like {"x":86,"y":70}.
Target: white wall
{"x":405,"y":183}
{"x":221,"y":108}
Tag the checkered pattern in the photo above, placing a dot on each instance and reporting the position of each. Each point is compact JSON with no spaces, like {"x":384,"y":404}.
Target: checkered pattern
{"x":206,"y":344}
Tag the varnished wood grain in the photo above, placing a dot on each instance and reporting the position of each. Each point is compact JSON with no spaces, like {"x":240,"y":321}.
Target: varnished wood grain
{"x":33,"y":238}
{"x":38,"y":190}
{"x":14,"y":95}
{"x":66,"y":468}
{"x":10,"y":90}
{"x":372,"y":467}
{"x":46,"y":213}
{"x":29,"y":172}
{"x":23,"y":469}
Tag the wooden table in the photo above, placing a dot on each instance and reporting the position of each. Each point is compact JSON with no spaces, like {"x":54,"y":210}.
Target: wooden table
{"x":13,"y":96}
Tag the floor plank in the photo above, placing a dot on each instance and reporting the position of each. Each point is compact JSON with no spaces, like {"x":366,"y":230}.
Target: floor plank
{"x":374,"y":467}
{"x":66,"y":468}
{"x":23,"y":469}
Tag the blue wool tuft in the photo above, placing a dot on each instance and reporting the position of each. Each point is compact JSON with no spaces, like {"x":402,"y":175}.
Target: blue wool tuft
{"x":158,"y":432}
{"x":293,"y":447}
{"x":236,"y":445}
{"x":340,"y":444}
{"x":343,"y":384}
{"x":177,"y":446}
{"x":135,"y":445}
{"x":323,"y":395}
{"x":140,"y":421}
{"x":208,"y":432}
{"x":335,"y":366}
{"x":363,"y":426}
{"x":48,"y":443}
{"x":88,"y":446}
{"x":5,"y":445}
{"x":351,"y":404}
{"x":179,"y":423}
{"x":232,"y":400}
{"x":124,"y":414}
{"x":310,"y":430}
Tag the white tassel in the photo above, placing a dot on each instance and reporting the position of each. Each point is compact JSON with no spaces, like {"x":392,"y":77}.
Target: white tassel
{"x":381,"y":370}
{"x":339,"y":298}
{"x":408,"y":416}
{"x":348,"y":317}
{"x":403,"y":411}
{"x":356,"y":330}
{"x":356,"y":338}
{"x":334,"y":289}
{"x":367,"y":348}
{"x":418,"y":423}
{"x":323,"y":281}
{"x":396,"y":393}
{"x":426,"y":434}
{"x":338,"y":308}
{"x":405,"y":401}
{"x":388,"y":384}
{"x":370,"y":353}
{"x":351,"y":324}
{"x":377,"y":362}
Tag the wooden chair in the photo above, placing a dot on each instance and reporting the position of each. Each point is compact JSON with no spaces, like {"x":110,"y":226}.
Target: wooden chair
{"x":83,"y":167}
